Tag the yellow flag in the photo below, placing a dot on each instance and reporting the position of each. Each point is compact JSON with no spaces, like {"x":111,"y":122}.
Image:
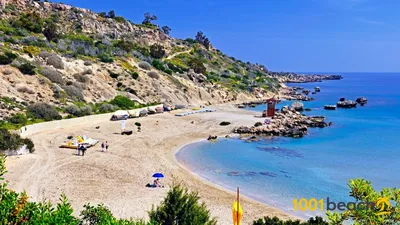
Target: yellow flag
{"x":237,"y":213}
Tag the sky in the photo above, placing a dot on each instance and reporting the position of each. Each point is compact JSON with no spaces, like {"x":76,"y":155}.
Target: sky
{"x":283,"y":35}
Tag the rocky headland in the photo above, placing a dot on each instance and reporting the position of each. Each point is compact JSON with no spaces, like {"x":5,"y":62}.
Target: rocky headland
{"x":287,"y":122}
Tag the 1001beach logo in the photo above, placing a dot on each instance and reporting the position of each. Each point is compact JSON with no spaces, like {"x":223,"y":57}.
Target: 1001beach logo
{"x":382,"y":205}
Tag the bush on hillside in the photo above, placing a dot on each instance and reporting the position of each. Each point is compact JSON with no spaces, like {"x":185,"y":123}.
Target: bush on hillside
{"x":44,"y":111}
{"x":276,"y":221}
{"x":123,"y":102}
{"x":56,"y":61}
{"x":51,"y":32}
{"x":81,"y":78}
{"x":74,"y":91}
{"x":197,"y":65}
{"x":153,"y":74}
{"x":135,"y":75}
{"x":105,"y":58}
{"x":145,"y":65}
{"x":105,"y":108}
{"x":30,"y":21}
{"x":157,"y":51}
{"x":79,"y":111}
{"x":7,"y":58}
{"x":18,"y":118}
{"x":225,"y":123}
{"x":27,"y":68}
{"x":52,"y":74}
{"x":181,"y":207}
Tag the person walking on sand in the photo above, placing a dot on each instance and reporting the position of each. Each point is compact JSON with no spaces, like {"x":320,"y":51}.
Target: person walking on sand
{"x":102,"y":146}
{"x":106,"y":145}
{"x":79,"y":149}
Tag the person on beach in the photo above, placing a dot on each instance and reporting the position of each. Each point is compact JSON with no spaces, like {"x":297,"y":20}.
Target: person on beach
{"x":106,"y":145}
{"x":83,"y":149}
{"x":79,"y":149}
{"x":157,"y":183}
{"x":102,"y":146}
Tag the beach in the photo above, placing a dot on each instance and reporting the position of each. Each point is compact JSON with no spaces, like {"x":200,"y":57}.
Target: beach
{"x":118,"y":177}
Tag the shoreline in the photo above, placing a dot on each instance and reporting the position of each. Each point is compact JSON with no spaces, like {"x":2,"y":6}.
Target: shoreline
{"x":129,"y":164}
{"x":244,"y":197}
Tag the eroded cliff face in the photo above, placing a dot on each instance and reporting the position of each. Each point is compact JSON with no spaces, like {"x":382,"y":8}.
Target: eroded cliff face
{"x":96,"y":58}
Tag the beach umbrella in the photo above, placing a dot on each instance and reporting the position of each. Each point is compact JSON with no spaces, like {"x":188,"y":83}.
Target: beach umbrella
{"x":158,"y":175}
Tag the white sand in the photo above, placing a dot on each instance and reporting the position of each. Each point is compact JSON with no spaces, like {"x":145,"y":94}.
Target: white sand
{"x":117,"y":178}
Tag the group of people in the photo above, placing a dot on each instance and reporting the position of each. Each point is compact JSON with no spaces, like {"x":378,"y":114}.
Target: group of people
{"x":82,"y":148}
{"x":104,"y":146}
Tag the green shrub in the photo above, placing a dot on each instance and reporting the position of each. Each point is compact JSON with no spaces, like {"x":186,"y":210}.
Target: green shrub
{"x":276,"y":221}
{"x":74,"y":90}
{"x":145,"y":65}
{"x":56,"y":61}
{"x":12,"y":141}
{"x":120,"y":19}
{"x":135,"y":75}
{"x":44,"y":111}
{"x":225,"y":123}
{"x":27,"y":68}
{"x":124,"y":45}
{"x":81,"y":78}
{"x":123,"y":102}
{"x":157,"y":51}
{"x":53,"y":75}
{"x":7,"y":58}
{"x":183,"y":208}
{"x":31,"y":50}
{"x":79,"y":111}
{"x":29,"y":144}
{"x":18,"y":118}
{"x":138,"y":124}
{"x":51,"y":32}
{"x":30,"y":21}
{"x":105,"y":58}
{"x":197,"y":65}
{"x":105,"y":108}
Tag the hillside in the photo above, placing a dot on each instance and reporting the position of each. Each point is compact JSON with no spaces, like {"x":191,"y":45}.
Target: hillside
{"x":64,"y":55}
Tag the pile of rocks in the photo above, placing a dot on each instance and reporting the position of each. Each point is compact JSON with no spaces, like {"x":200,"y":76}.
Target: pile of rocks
{"x":291,"y":93}
{"x":288,"y":122}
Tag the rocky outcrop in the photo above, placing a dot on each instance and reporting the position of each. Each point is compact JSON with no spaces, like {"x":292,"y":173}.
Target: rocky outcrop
{"x":288,"y":122}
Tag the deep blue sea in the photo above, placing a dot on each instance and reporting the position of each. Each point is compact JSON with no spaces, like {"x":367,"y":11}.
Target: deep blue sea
{"x":362,"y":143}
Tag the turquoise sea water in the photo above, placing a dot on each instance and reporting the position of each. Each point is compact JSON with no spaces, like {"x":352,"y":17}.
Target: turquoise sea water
{"x":363,"y":142}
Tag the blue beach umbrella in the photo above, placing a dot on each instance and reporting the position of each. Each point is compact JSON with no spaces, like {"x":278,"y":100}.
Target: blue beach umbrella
{"x":158,"y":175}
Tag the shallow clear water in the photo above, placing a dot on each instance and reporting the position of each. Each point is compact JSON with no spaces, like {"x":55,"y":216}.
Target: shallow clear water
{"x":363,"y":142}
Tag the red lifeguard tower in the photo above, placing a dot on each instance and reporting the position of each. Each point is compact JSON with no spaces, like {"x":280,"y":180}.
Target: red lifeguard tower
{"x":271,"y":107}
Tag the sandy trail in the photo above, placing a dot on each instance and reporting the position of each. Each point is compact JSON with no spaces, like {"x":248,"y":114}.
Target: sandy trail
{"x":117,"y":178}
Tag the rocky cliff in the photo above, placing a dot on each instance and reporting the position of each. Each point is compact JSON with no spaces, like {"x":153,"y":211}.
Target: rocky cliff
{"x":61,"y":54}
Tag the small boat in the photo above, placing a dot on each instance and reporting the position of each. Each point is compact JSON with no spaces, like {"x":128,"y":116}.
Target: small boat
{"x":330,"y":107}
{"x":317,"y":89}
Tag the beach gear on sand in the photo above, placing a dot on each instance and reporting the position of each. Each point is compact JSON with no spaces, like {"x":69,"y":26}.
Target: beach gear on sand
{"x":158,"y":175}
{"x":83,"y":140}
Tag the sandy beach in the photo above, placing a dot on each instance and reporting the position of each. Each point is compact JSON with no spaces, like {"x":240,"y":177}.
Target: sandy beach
{"x":118,"y":177}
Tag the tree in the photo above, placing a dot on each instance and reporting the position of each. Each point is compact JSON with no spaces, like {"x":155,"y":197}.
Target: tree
{"x":157,"y":51}
{"x":51,"y":32}
{"x":382,"y":211}
{"x":102,"y":14}
{"x":166,"y":29}
{"x":111,"y":14}
{"x":183,"y":208}
{"x":276,"y":221}
{"x":148,"y":18}
{"x":202,"y":39}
